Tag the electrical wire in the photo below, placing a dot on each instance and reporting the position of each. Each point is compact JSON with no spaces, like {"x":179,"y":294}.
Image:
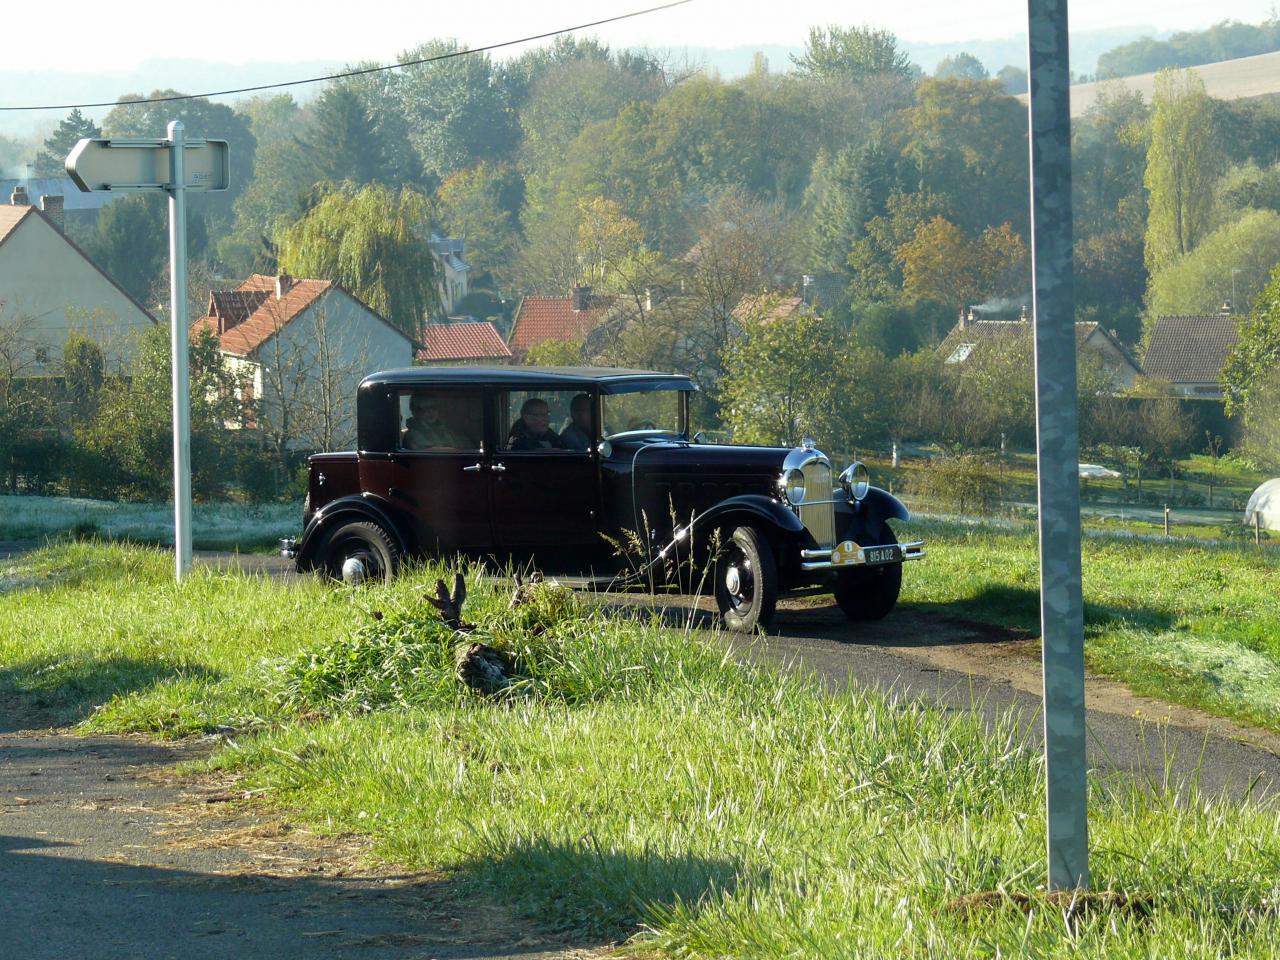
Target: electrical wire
{"x":361,"y":72}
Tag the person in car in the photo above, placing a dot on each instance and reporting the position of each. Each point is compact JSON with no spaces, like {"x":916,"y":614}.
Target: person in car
{"x":427,"y":430}
{"x":533,"y":430}
{"x":577,"y":435}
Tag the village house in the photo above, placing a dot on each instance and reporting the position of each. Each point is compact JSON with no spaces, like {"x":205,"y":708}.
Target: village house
{"x":300,"y":348}
{"x":452,"y":271}
{"x":571,"y":318}
{"x":61,"y":199}
{"x":462,"y":344}
{"x":49,"y":287}
{"x":970,"y":334}
{"x":1188,"y":353}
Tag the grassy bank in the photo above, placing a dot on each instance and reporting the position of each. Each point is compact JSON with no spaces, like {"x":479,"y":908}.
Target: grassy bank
{"x":216,"y":526}
{"x":634,"y":781}
{"x":1179,"y":620}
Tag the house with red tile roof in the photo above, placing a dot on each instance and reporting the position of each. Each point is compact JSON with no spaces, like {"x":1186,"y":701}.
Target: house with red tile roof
{"x":1189,"y":353}
{"x":302,"y":347}
{"x":462,"y":343}
{"x":571,"y":318}
{"x":49,"y":287}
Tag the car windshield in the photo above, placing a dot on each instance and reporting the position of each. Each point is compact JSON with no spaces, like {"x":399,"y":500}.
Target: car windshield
{"x":651,"y":411}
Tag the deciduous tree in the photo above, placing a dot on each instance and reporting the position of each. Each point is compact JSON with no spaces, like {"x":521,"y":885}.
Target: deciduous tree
{"x":374,"y":242}
{"x":1183,"y":161}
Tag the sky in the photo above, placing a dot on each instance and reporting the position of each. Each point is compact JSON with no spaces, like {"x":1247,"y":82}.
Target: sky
{"x":293,"y":30}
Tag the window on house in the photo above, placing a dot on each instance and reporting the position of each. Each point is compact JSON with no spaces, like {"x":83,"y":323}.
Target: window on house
{"x":42,"y":356}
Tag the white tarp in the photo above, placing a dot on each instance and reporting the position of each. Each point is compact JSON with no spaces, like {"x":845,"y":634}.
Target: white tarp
{"x":1264,"y":503}
{"x":1093,"y":470}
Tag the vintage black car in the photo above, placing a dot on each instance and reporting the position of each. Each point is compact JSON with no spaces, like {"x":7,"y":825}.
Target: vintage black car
{"x":593,"y":472}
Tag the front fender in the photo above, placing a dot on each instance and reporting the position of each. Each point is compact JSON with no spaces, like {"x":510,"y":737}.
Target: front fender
{"x":860,"y":521}
{"x":344,"y":510}
{"x":748,"y":508}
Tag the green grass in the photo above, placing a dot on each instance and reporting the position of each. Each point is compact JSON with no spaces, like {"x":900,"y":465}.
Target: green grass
{"x":637,"y":781}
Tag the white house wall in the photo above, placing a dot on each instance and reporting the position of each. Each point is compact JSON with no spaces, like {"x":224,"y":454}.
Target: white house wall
{"x":358,"y":343}
{"x":47,"y":290}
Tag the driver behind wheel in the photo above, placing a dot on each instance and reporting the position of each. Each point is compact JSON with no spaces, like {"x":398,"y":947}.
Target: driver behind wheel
{"x":533,"y":430}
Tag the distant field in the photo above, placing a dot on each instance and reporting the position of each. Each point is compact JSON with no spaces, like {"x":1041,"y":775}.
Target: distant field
{"x":1229,"y":80}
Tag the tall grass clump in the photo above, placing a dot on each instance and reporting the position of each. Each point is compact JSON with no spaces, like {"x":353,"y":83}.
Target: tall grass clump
{"x":560,"y":648}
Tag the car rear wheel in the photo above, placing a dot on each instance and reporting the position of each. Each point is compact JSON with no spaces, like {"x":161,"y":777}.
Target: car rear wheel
{"x":360,"y":552}
{"x":869,"y":593}
{"x":746,"y":580}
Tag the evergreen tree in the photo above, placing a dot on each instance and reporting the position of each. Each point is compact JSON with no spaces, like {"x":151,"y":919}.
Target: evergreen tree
{"x":855,"y":187}
{"x":342,"y":142}
{"x":74,"y":127}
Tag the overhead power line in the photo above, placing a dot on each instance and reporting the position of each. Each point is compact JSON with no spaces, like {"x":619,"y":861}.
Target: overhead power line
{"x":357,"y":73}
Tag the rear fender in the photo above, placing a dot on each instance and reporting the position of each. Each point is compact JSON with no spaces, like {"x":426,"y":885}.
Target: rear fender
{"x":346,"y":510}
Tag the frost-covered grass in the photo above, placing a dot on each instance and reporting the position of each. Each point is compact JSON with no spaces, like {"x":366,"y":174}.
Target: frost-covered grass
{"x":216,"y":526}
{"x":641,"y":783}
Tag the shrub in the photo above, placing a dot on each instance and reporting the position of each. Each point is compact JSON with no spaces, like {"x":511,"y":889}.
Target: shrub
{"x":964,"y":482}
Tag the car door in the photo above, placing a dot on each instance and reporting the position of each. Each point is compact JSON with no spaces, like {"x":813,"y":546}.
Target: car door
{"x":439,"y":471}
{"x":546,"y":497}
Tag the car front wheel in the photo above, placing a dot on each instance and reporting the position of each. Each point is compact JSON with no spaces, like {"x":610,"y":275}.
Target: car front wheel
{"x":869,"y":593}
{"x":360,"y":552}
{"x":746,"y":580}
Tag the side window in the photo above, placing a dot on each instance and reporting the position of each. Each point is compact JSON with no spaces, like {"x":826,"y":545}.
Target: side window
{"x":547,"y":420}
{"x":443,"y":420}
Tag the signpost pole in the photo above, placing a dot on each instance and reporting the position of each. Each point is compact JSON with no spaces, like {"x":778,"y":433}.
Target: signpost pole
{"x":1057,"y":441}
{"x":181,"y":373}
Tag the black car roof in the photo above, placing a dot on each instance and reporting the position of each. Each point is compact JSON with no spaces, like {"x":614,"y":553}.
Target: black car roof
{"x":609,"y":379}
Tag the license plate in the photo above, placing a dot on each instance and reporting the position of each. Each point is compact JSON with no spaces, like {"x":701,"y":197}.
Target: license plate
{"x":889,"y":554}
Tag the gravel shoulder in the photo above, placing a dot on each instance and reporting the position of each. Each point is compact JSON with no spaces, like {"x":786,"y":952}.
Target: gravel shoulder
{"x":108,"y":853}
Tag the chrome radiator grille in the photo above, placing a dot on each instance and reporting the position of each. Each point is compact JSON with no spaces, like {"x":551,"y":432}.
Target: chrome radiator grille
{"x":819,"y":519}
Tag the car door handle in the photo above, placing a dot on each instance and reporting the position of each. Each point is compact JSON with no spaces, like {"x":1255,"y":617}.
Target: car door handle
{"x":499,"y":468}
{"x":474,"y":468}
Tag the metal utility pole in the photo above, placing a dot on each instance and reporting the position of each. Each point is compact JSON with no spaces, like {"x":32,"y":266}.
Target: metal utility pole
{"x":180,"y":348}
{"x":1057,"y":443}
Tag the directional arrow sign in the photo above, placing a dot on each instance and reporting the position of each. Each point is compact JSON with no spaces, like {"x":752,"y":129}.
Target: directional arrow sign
{"x":107,"y":163}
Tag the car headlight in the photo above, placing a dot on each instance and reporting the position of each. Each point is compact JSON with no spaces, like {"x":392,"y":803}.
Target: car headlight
{"x":856,"y":480}
{"x":791,"y":483}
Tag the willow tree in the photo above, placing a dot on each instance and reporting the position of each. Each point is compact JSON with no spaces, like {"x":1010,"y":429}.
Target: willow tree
{"x":373,"y":241}
{"x":1183,"y":163}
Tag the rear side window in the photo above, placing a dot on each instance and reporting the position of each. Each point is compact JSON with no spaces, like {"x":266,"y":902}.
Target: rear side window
{"x":441,"y":420}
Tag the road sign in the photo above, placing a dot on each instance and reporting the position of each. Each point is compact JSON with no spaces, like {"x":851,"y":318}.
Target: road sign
{"x":174,"y":165}
{"x":117,"y":164}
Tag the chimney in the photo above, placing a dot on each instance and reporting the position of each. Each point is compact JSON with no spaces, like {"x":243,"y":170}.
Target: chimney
{"x":1226,"y":308}
{"x":969,"y":319}
{"x":283,"y":283}
{"x":580,"y":297}
{"x":1023,"y":315}
{"x":19,"y":196}
{"x":53,"y":207}
{"x":962,"y":318}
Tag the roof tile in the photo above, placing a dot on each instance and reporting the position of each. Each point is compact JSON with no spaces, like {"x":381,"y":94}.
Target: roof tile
{"x":1190,"y":349}
{"x":553,"y":318}
{"x":462,"y":341}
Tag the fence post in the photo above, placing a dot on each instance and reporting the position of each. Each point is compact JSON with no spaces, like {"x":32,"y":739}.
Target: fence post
{"x":1166,"y":519}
